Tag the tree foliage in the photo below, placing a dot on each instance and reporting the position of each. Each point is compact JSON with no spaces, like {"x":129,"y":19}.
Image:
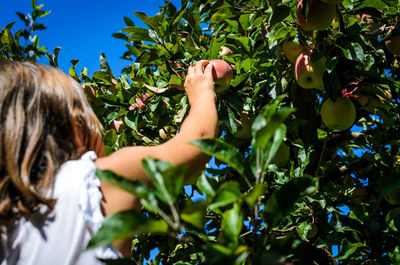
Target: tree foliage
{"x":339,"y":189}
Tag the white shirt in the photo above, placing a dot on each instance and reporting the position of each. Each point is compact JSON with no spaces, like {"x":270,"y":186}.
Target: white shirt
{"x":61,"y":236}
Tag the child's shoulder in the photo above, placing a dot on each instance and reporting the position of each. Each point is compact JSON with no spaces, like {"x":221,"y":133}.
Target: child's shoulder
{"x":76,"y":177}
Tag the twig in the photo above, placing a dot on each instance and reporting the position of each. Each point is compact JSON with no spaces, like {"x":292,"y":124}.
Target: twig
{"x":341,"y":22}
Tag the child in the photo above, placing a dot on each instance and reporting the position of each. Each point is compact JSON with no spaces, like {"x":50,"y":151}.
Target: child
{"x":50,"y":147}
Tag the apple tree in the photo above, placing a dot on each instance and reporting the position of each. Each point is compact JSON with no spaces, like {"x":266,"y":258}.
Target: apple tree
{"x":305,"y":168}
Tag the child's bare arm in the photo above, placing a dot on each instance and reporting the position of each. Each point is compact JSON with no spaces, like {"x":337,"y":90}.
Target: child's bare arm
{"x":200,"y":123}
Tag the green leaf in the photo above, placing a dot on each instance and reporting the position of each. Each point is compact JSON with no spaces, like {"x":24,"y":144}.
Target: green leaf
{"x":347,"y":248}
{"x":23,"y":18}
{"x":376,"y":4}
{"x":205,"y":186}
{"x":151,"y":22}
{"x":228,"y":193}
{"x":353,"y":51}
{"x":120,"y":36}
{"x":281,"y":33}
{"x":273,"y":148}
{"x":179,"y":16}
{"x":244,"y":21}
{"x":303,"y":229}
{"x":6,"y":37}
{"x":105,"y":67}
{"x":125,"y":224}
{"x":167,"y":179}
{"x":131,"y":119}
{"x":265,"y":125}
{"x":103,"y":76}
{"x":252,"y":197}
{"x":281,"y":202}
{"x":220,"y":16}
{"x":128,"y":21}
{"x":194,"y":213}
{"x":230,"y":120}
{"x":224,"y":152}
{"x":239,"y":79}
{"x":232,"y":223}
{"x":279,"y":13}
{"x":392,"y":219}
{"x":136,"y":188}
{"x":137,"y":34}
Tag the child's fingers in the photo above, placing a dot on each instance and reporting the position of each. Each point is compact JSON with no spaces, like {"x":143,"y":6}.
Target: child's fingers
{"x":191,"y":69}
{"x":208,"y":70}
{"x":199,"y":66}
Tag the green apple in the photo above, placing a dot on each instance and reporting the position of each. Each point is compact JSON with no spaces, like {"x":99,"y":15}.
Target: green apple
{"x":320,"y":15}
{"x":292,"y":50}
{"x":244,"y":125}
{"x":339,"y":114}
{"x":313,"y":232}
{"x":309,"y":74}
{"x":282,"y":156}
{"x":393,"y":45}
{"x":393,"y":196}
{"x":222,"y":75}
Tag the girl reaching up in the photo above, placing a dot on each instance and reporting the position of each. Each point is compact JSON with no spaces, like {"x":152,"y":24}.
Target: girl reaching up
{"x":50,"y":146}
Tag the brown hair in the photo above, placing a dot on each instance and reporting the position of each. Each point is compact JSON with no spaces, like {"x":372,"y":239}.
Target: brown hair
{"x":45,"y":120}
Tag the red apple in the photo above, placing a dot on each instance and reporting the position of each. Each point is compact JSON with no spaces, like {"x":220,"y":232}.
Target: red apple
{"x":309,"y":74}
{"x":339,"y":114}
{"x":292,"y":50}
{"x":222,"y":74}
{"x":224,"y":51}
{"x":320,"y":15}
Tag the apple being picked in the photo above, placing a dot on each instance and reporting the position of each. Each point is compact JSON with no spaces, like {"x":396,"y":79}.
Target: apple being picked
{"x":320,"y":15}
{"x":222,"y":74}
{"x":309,"y":74}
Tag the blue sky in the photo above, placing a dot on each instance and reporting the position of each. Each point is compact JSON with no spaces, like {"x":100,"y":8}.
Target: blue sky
{"x":83,"y":28}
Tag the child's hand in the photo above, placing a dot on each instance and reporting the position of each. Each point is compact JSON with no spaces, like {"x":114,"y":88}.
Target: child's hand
{"x":199,"y":82}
